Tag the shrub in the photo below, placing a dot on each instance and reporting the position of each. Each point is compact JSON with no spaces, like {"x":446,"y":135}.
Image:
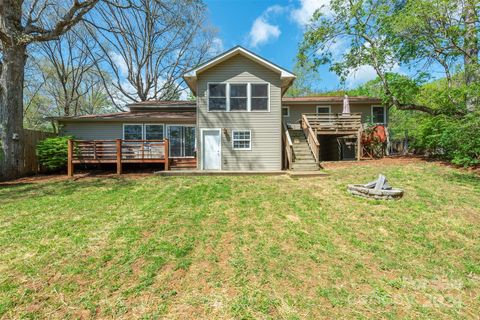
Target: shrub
{"x":53,"y":152}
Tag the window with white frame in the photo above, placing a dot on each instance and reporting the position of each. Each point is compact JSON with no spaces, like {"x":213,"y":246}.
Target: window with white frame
{"x":217,"y":97}
{"x":378,"y":114}
{"x":133,"y":131}
{"x":241,"y":139}
{"x":286,"y":111}
{"x":154,"y":131}
{"x":259,"y":97}
{"x":238,"y":97}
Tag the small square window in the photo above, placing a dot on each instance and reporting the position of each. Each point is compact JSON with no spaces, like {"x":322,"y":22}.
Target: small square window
{"x":241,"y":139}
{"x":132,"y":131}
{"x":286,"y":111}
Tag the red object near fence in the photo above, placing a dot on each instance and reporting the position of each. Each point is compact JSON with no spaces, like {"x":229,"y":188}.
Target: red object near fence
{"x":375,"y":134}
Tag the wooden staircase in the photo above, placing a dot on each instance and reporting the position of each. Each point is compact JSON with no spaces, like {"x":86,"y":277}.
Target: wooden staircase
{"x":304,"y":159}
{"x":183,"y":164}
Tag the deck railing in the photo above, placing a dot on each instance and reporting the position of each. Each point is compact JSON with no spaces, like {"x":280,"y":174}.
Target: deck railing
{"x":334,"y":122}
{"x":117,"y":151}
{"x":287,"y":141}
{"x":311,"y":136}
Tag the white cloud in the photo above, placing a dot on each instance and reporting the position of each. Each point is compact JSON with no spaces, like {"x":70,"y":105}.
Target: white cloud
{"x":262,"y":30}
{"x":303,"y":14}
{"x":216,"y":46}
{"x":120,"y":63}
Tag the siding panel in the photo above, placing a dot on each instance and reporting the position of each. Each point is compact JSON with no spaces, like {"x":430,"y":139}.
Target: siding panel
{"x":265,"y":153}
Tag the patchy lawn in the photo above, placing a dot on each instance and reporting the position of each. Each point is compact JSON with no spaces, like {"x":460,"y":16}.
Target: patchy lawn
{"x":243,"y":247}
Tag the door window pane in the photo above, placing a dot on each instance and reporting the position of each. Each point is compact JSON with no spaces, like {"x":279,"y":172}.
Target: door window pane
{"x":189,"y":133}
{"x":154,"y":131}
{"x":132,"y":132}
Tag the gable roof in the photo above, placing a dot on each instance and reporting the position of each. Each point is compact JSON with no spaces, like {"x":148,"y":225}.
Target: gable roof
{"x":190,"y":77}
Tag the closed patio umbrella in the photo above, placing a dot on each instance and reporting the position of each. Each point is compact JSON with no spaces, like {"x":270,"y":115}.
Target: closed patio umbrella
{"x":346,"y":105}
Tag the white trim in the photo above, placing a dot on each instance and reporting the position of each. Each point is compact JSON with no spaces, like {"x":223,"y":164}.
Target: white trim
{"x":288,"y":111}
{"x":283,"y":73}
{"x":152,"y":124}
{"x":202,"y":149}
{"x":384,"y":114}
{"x":132,"y":124}
{"x":250,"y":140}
{"x":323,"y":106}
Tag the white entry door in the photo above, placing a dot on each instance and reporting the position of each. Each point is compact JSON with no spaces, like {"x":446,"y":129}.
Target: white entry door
{"x":211,"y":149}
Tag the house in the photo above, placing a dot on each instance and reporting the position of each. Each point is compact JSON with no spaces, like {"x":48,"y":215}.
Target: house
{"x":239,"y":121}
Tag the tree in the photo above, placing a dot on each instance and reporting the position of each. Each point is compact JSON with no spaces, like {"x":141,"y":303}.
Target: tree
{"x":385,"y":34}
{"x":149,"y":47}
{"x":23,"y":23}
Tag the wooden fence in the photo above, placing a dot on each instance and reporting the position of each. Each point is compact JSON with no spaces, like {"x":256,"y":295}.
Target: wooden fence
{"x":32,"y":138}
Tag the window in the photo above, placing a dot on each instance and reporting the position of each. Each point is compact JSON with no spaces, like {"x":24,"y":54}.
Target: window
{"x":286,"y":111}
{"x":217,"y":97}
{"x":238,"y":97}
{"x":378,"y":114}
{"x":154,"y":131}
{"x":241,"y":139}
{"x":132,"y":132}
{"x":324,"y":109}
{"x":259,"y":97}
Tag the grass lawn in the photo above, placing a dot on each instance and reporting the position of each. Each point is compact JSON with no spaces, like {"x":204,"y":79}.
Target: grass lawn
{"x":243,"y":247}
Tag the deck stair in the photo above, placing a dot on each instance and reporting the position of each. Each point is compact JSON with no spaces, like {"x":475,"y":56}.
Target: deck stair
{"x":183,"y":163}
{"x":304,"y":159}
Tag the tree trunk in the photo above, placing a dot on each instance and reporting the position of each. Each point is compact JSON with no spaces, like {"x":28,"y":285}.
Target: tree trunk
{"x":11,"y":111}
{"x":471,"y":49}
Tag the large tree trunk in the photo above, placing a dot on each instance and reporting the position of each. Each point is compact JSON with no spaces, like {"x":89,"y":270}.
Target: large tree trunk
{"x":471,"y":49}
{"x":11,"y":111}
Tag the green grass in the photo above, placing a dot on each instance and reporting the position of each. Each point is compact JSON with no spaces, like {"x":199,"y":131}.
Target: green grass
{"x":243,"y":247}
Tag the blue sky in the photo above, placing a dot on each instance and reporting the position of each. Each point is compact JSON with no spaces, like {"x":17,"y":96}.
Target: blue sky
{"x":272,"y":29}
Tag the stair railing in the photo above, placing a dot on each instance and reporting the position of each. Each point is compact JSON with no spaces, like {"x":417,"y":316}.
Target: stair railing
{"x":287,"y":140}
{"x":311,"y":138}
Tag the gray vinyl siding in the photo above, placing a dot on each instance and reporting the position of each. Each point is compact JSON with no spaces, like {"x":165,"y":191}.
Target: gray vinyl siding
{"x":265,"y":153}
{"x":93,"y":130}
{"x":296,"y":111}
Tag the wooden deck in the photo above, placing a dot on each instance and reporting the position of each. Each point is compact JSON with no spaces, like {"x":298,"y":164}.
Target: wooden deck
{"x":334,"y":123}
{"x":117,"y":151}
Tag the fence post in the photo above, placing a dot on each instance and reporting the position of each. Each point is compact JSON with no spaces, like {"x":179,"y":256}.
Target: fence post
{"x":167,"y":160}
{"x":119,"y":156}
{"x":70,"y":158}
{"x":359,"y":145}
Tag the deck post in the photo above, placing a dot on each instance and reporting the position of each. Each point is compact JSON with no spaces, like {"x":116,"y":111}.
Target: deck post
{"x":359,"y":145}
{"x":70,"y":158}
{"x":119,"y":156}
{"x":167,"y":160}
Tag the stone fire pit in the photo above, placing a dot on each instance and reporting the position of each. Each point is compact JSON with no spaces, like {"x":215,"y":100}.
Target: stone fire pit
{"x":378,"y":189}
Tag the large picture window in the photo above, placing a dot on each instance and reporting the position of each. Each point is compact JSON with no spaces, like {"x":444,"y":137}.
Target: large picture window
{"x":133,"y":131}
{"x":154,"y":131}
{"x":241,"y":139}
{"x":217,"y":97}
{"x":238,"y":97}
{"x":378,"y":114}
{"x":259,"y":97}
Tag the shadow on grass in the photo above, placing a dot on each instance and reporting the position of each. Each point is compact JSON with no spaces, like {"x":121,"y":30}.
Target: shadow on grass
{"x":21,"y":190}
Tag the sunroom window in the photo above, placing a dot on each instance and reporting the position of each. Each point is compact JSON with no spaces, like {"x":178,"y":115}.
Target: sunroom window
{"x":133,"y":131}
{"x":238,"y":97}
{"x":259,"y":97}
{"x":217,"y":97}
{"x":154,"y":131}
